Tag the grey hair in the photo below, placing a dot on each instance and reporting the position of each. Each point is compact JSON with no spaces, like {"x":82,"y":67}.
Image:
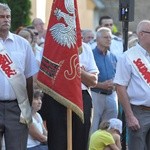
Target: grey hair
{"x":85,"y":31}
{"x":5,"y":6}
{"x":143,"y":25}
{"x":101,"y":30}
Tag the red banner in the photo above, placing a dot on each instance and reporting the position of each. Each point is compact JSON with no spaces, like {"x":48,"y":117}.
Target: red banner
{"x":59,"y":74}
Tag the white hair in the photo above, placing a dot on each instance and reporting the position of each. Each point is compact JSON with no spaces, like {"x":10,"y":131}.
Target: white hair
{"x":143,"y":25}
{"x":4,"y":6}
{"x":101,"y":30}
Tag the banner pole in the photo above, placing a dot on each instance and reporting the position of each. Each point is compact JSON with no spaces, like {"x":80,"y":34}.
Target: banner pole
{"x":69,"y":129}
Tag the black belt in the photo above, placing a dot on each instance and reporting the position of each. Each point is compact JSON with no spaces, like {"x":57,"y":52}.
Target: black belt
{"x":8,"y":101}
{"x":106,"y":93}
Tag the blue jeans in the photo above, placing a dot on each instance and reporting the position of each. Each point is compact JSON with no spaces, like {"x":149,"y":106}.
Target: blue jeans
{"x":38,"y":147}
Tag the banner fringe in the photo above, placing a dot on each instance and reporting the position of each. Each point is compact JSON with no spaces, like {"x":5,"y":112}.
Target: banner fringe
{"x":62,"y":100}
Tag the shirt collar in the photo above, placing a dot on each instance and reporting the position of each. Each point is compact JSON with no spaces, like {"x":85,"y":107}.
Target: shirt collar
{"x":9,"y":37}
{"x":143,"y":50}
{"x":100,"y":52}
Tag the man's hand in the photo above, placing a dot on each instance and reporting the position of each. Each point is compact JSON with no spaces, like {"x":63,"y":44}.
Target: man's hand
{"x":133,"y":123}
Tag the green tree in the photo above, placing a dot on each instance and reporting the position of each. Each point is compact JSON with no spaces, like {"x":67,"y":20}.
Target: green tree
{"x":20,"y":11}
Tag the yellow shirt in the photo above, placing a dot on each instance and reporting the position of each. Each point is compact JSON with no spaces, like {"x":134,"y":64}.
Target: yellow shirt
{"x":100,"y":139}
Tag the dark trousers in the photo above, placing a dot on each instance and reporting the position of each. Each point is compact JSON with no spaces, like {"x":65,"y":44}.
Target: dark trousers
{"x":14,"y":132}
{"x":55,"y":115}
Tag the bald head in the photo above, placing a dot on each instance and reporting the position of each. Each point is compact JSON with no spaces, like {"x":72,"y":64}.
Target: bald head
{"x":38,"y":24}
{"x":37,"y":21}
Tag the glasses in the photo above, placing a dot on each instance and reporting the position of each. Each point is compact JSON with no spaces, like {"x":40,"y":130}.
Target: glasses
{"x":107,"y":25}
{"x":36,"y":33}
{"x":5,"y":16}
{"x":146,"y":32}
{"x":107,"y":37}
{"x":90,"y":37}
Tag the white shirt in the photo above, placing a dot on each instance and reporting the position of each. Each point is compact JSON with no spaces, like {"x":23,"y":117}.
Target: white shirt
{"x":38,"y":53}
{"x":87,"y":60}
{"x":126,"y":75}
{"x":116,"y":46}
{"x":38,"y":124}
{"x":21,"y":53}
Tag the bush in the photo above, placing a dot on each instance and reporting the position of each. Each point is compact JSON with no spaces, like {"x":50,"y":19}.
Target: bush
{"x":20,"y":12}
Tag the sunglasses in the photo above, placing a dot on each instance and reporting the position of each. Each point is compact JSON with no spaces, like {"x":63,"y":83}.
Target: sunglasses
{"x":36,"y":33}
{"x":146,"y":32}
{"x":106,"y":25}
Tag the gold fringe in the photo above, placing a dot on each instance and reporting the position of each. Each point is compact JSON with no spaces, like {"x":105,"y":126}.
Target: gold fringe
{"x":62,"y":100}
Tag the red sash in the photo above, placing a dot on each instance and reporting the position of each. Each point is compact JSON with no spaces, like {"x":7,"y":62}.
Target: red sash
{"x":17,"y":81}
{"x":141,"y":64}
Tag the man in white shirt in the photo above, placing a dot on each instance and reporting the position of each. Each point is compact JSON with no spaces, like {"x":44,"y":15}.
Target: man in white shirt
{"x":133,"y":87}
{"x":17,"y":66}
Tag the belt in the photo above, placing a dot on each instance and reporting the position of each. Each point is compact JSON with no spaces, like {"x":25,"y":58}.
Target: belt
{"x":8,"y":101}
{"x":106,"y":93}
{"x":142,"y":107}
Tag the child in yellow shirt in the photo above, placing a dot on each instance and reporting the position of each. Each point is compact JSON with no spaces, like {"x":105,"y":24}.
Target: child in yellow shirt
{"x":108,"y":136}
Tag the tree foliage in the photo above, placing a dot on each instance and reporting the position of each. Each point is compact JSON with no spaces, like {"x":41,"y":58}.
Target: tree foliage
{"x":20,"y":11}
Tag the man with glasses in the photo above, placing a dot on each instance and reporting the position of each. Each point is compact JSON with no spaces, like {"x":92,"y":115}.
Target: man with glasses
{"x":104,"y":97}
{"x":133,"y":86}
{"x":116,"y":46}
{"x":39,"y":26}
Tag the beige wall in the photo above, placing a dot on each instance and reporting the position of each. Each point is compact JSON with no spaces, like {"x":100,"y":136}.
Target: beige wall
{"x":85,"y":8}
{"x":89,"y":15}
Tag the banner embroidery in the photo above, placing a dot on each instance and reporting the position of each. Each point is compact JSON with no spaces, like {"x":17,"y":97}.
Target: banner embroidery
{"x":64,"y":33}
{"x":74,"y":69}
{"x":50,"y":68}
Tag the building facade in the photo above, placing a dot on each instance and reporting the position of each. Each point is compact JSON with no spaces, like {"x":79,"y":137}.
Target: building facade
{"x":91,"y":10}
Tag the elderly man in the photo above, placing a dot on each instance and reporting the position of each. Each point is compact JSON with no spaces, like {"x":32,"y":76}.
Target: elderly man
{"x":103,"y":95}
{"x":87,"y":36}
{"x":17,"y":66}
{"x":116,"y":46}
{"x":39,"y":26}
{"x":133,"y":87}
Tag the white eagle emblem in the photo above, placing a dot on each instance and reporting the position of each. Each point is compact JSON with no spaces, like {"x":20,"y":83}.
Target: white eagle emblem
{"x":64,"y":33}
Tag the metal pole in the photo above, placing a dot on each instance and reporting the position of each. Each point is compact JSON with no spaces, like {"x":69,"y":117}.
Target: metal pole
{"x":125,"y":25}
{"x":126,"y":15}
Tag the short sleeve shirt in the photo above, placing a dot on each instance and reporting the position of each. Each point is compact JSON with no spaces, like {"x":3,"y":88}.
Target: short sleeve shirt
{"x":126,"y":75}
{"x":100,"y":139}
{"x":21,"y":53}
{"x":87,"y":60}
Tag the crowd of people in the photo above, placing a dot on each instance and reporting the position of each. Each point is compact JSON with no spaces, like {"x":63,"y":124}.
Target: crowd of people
{"x":111,"y":80}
